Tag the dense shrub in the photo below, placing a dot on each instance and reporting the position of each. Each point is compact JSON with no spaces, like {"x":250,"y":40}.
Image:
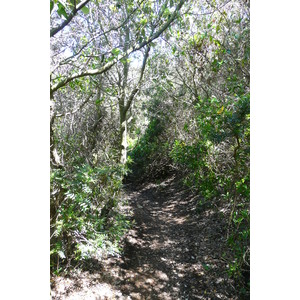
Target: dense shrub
{"x":85,"y":219}
{"x":216,"y":165}
{"x":149,"y":155}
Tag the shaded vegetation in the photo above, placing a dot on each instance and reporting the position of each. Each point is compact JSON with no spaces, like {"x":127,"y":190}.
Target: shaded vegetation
{"x":141,"y":90}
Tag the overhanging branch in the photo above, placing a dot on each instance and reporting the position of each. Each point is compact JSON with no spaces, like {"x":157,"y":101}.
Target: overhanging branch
{"x":55,"y":30}
{"x":108,"y":65}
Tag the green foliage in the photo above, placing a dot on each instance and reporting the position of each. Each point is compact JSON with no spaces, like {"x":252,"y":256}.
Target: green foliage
{"x":85,"y":10}
{"x":216,"y":165}
{"x":148,"y":156}
{"x":61,"y":10}
{"x":196,"y":100}
{"x":51,"y":6}
{"x":116,"y":51}
{"x":81,"y":229}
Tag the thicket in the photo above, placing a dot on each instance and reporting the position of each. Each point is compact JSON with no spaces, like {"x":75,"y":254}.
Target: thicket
{"x":213,"y":160}
{"x":216,"y":165}
{"x":200,"y":125}
{"x":167,"y":81}
{"x":87,"y":222}
{"x":86,"y":179}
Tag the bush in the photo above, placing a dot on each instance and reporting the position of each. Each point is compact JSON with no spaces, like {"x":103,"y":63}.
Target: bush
{"x":216,"y":165}
{"x":85,"y":221}
{"x":149,"y":157}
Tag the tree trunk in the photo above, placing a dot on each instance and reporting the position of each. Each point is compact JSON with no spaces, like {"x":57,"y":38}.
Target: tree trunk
{"x":123,"y":136}
{"x":126,"y":101}
{"x":54,"y":157}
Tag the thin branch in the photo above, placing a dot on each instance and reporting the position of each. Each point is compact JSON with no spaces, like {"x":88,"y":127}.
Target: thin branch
{"x":133,"y":93}
{"x":110,"y":64}
{"x":75,"y":110}
{"x":99,"y":35}
{"x":55,"y":30}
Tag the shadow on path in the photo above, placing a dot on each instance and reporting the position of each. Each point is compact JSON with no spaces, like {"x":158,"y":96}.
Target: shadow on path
{"x":171,"y":252}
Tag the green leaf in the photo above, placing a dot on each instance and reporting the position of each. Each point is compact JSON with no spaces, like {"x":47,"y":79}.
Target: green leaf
{"x":51,"y":6}
{"x":61,"y":10}
{"x":85,"y":10}
{"x":144,"y":21}
{"x":166,"y":13}
{"x":115,"y":51}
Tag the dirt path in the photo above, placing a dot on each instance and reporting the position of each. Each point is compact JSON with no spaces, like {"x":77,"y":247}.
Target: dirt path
{"x":170,"y":253}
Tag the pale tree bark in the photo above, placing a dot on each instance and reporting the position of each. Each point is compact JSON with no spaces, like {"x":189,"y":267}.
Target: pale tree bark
{"x":54,"y":157}
{"x":76,"y":8}
{"x":91,"y":72}
{"x":122,"y":111}
{"x":125,"y":102}
{"x":123,"y":133}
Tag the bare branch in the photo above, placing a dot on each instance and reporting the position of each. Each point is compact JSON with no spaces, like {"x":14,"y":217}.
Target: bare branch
{"x":133,"y":93}
{"x":55,"y":30}
{"x":76,"y":109}
{"x":108,"y":65}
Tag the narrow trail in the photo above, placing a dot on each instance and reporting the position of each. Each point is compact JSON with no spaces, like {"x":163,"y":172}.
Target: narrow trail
{"x":171,"y":252}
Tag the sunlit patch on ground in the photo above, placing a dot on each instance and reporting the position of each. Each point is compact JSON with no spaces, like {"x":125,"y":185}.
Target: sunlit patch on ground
{"x":170,"y":253}
{"x":72,"y":290}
